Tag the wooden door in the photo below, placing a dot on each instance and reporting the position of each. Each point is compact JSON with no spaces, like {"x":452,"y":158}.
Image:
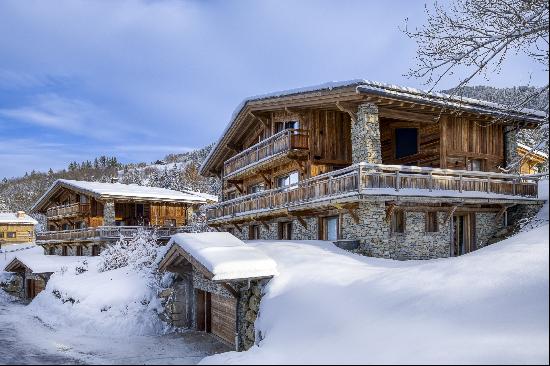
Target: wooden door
{"x":30,"y":289}
{"x":203,"y":311}
{"x":463,"y":234}
{"x":224,"y":317}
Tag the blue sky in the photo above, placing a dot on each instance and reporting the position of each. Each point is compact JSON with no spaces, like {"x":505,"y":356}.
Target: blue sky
{"x":140,"y":79}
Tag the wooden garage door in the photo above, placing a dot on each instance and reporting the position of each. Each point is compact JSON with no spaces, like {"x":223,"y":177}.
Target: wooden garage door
{"x":224,"y":312}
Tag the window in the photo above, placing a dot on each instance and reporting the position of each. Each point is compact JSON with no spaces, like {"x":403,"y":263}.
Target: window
{"x":285,"y":230}
{"x":1,"y":235}
{"x":330,"y":228}
{"x":281,"y":126}
{"x":65,"y":227}
{"x":475,"y":165}
{"x":64,"y":250}
{"x":287,"y":180}
{"x":255,"y":188}
{"x":398,"y":222}
{"x":170,"y":222}
{"x":139,"y":210}
{"x":231,"y":195}
{"x":11,"y":235}
{"x":51,"y":251}
{"x":79,"y":251}
{"x":254,"y":232}
{"x":431,"y":222}
{"x":406,"y":142}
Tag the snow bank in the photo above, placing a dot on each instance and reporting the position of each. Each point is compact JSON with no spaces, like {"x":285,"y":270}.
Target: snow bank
{"x":331,"y":306}
{"x":114,"y":302}
{"x":225,"y":256}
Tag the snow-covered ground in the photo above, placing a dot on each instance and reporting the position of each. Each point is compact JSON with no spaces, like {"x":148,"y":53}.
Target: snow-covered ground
{"x":330,"y":306}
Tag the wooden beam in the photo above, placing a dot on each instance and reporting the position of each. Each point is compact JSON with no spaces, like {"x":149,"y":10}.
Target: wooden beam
{"x":450,"y":213}
{"x":353,"y":213}
{"x":302,"y":221}
{"x":230,"y":289}
{"x":350,"y":112}
{"x":443,"y":141}
{"x":264,"y":224}
{"x":238,"y":227}
{"x":301,"y":166}
{"x":267,"y":180}
{"x":407,"y":116}
{"x":389,"y":211}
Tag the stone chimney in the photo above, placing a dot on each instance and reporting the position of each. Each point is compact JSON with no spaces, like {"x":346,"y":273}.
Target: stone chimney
{"x":20,"y":214}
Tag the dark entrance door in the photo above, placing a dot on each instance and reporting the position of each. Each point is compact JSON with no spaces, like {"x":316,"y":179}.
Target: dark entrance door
{"x":204,"y":311}
{"x":463,"y":240}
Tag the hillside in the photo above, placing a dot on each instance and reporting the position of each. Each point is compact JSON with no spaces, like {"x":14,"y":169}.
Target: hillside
{"x":175,"y":171}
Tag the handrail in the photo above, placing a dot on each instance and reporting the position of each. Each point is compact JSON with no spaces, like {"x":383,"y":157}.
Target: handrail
{"x":362,"y":178}
{"x":66,"y":209}
{"x":108,"y":232}
{"x":255,"y":153}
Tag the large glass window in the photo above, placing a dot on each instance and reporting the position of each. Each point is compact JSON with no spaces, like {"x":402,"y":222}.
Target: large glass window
{"x":255,"y":188}
{"x":287,"y":180}
{"x":330,"y":228}
{"x":406,"y":142}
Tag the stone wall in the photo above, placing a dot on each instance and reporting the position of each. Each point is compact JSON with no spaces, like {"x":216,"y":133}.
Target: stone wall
{"x":248,"y":310}
{"x":109,"y":213}
{"x":365,"y":135}
{"x":486,"y":227}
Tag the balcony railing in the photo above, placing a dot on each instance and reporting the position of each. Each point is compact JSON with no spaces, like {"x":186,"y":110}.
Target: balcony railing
{"x":106,"y":233}
{"x":72,"y":209}
{"x":378,"y":179}
{"x":278,"y":144}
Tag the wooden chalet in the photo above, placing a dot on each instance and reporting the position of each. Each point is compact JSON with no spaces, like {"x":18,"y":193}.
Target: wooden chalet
{"x":371,"y":166}
{"x":16,"y":228}
{"x":83,"y":216}
{"x":532,"y":160}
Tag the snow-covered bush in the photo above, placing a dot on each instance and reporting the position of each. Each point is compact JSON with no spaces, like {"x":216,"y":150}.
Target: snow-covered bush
{"x":140,"y":252}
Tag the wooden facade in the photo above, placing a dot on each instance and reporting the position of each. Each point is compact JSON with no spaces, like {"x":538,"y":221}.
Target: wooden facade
{"x":81,"y":217}
{"x":16,"y":228}
{"x":429,"y":147}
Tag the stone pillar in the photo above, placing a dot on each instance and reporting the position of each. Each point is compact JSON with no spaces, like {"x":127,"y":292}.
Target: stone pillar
{"x":109,"y":213}
{"x":365,"y":135}
{"x":510,"y":146}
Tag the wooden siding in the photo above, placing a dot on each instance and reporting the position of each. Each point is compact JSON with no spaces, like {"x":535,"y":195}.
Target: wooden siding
{"x":23,"y":233}
{"x":168,"y":211}
{"x":224,"y":313}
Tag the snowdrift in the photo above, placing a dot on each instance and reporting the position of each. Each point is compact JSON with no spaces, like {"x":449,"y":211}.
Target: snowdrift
{"x":330,"y":306}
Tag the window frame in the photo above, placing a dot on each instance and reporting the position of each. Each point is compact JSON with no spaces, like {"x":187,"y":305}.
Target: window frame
{"x":254,"y":232}
{"x":324,"y":227}
{"x":285,"y":230}
{"x":432,"y":222}
{"x":398,"y":222}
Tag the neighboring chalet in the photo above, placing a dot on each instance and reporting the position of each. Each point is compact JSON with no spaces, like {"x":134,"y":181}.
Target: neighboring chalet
{"x":532,"y":159}
{"x":83,"y":216}
{"x":391,"y":171}
{"x":16,"y":228}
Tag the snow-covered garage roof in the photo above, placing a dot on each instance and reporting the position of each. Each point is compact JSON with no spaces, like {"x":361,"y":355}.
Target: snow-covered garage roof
{"x":16,"y":218}
{"x":104,"y":191}
{"x":220,"y":256}
{"x":40,"y":263}
{"x":374,"y":88}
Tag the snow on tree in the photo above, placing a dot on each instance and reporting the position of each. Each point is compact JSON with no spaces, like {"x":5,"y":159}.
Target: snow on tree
{"x":476,"y":37}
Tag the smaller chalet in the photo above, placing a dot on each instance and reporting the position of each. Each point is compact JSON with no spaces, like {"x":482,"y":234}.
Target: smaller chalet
{"x":83,"y":216}
{"x":218,"y":287}
{"x":33,"y":270}
{"x":532,"y":159}
{"x":16,"y":228}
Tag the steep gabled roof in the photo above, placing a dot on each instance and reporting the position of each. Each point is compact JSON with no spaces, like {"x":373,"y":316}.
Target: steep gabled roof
{"x":114,"y":191}
{"x":40,"y":263}
{"x":373,"y":88}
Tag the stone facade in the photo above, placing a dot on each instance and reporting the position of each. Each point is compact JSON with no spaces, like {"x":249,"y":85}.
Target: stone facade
{"x":109,"y":213}
{"x":377,"y":240}
{"x":365,"y":135}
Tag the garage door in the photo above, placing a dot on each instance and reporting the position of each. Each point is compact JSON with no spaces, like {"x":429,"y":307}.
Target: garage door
{"x":224,"y":312}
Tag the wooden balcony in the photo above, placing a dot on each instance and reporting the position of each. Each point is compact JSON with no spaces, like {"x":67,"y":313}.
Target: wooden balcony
{"x":288,"y":143}
{"x":363,"y":179}
{"x":73,"y":209}
{"x":104,"y":233}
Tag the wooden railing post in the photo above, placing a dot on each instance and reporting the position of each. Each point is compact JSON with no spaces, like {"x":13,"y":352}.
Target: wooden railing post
{"x":431,"y":182}
{"x":397,"y":181}
{"x":460,"y":182}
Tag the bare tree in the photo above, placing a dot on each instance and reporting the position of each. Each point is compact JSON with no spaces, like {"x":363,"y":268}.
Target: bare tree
{"x":475,"y":38}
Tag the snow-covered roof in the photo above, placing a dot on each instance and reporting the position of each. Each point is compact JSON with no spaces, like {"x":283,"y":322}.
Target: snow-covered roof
{"x":15,"y":219}
{"x":392,"y":91}
{"x":224,"y":256}
{"x":533,"y":151}
{"x":206,"y":196}
{"x":119,"y":190}
{"x":38,"y":262}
